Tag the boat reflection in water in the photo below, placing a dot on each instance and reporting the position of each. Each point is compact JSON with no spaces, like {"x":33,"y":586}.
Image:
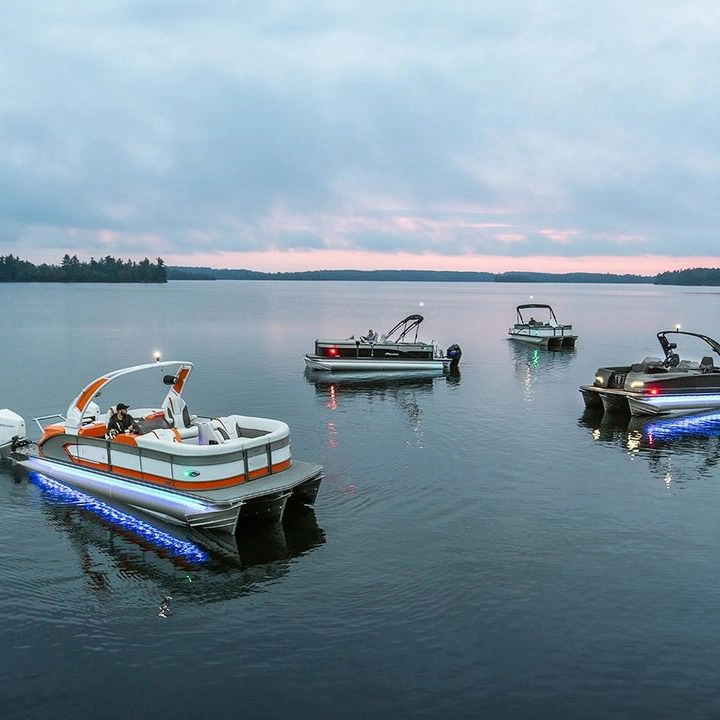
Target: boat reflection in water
{"x":535,"y":364}
{"x":679,"y":447}
{"x":378,"y":383}
{"x":115,"y":545}
{"x":406,"y":390}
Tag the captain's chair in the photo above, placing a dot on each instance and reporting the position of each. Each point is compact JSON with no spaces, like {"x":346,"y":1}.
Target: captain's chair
{"x":178,"y":416}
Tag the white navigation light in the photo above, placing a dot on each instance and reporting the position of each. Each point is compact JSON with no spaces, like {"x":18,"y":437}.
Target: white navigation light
{"x":637,"y":384}
{"x":157,"y":355}
{"x":678,"y":326}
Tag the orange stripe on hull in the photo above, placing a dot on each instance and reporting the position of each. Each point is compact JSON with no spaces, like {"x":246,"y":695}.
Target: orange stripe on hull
{"x":181,"y":484}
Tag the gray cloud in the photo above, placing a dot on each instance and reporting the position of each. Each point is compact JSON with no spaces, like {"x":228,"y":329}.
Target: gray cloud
{"x":181,"y":127}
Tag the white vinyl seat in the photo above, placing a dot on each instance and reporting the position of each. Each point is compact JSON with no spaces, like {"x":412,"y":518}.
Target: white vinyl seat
{"x":179,"y":418}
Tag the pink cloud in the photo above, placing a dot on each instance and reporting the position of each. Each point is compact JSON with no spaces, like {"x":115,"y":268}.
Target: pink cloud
{"x":393,"y":224}
{"x":563,"y":237}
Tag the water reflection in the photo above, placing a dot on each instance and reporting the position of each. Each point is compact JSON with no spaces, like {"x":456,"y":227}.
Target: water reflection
{"x":675,"y":447}
{"x":375,"y":384}
{"x":112,"y":553}
{"x":533,"y":365}
{"x":405,"y":389}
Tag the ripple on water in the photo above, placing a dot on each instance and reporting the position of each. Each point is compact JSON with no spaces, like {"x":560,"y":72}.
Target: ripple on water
{"x":476,"y":545}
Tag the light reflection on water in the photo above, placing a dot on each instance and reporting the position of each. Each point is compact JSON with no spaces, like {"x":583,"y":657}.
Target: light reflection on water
{"x":533,"y":365}
{"x":676,"y":448}
{"x":115,"y":544}
{"x":476,"y":549}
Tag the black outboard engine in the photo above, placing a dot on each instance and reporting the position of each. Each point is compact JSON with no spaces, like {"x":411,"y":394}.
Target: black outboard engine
{"x":454,"y":353}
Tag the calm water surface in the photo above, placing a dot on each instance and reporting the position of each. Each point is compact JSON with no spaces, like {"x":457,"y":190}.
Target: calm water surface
{"x":479,"y":548}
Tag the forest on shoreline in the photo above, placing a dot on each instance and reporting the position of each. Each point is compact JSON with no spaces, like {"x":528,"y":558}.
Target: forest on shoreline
{"x":115,"y":270}
{"x":694,"y":276}
{"x":72,"y":270}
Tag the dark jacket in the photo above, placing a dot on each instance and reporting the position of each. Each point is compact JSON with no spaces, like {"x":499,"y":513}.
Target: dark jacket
{"x":121,"y":424}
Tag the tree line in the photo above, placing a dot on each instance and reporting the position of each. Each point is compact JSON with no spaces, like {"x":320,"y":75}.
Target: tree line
{"x":114,"y":270}
{"x":104,"y":270}
{"x":693,"y":276}
{"x":206,"y":273}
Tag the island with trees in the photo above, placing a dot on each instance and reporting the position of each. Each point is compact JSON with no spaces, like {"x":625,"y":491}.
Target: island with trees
{"x":114,"y":270}
{"x":693,"y":276}
{"x":72,"y":270}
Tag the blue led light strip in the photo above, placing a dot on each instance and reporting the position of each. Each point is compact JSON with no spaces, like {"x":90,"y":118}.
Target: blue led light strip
{"x":58,"y":491}
{"x":687,"y":425}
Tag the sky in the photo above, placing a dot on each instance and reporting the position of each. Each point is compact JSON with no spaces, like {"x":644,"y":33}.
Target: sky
{"x":553,"y":135}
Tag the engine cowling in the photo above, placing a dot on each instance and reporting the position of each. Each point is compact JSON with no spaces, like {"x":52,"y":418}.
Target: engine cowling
{"x":12,"y":428}
{"x":454,"y":353}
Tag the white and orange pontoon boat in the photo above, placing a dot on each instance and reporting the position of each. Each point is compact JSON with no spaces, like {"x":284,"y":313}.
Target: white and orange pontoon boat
{"x":205,"y":472}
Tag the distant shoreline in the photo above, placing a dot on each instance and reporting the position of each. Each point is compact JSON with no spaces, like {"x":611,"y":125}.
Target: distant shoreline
{"x":112,"y":270}
{"x":694,"y":276}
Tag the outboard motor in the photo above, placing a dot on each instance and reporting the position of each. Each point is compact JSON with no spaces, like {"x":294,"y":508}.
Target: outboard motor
{"x":454,"y":353}
{"x":12,"y":430}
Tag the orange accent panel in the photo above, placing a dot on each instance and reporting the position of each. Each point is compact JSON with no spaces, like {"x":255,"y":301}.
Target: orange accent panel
{"x":209,"y":484}
{"x":86,"y":463}
{"x":279,"y":467}
{"x":51,"y":431}
{"x":96,"y":430}
{"x":89,"y":393}
{"x":177,"y":435}
{"x":125,"y":440}
{"x":178,"y":386}
{"x":181,"y":484}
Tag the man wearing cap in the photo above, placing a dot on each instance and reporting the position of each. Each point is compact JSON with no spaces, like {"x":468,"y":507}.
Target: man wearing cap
{"x":121,"y":422}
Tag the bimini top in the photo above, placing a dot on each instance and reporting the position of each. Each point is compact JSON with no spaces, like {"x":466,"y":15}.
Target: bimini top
{"x":176,"y":381}
{"x":671,"y":357}
{"x":403,"y":328}
{"x":541,"y":306}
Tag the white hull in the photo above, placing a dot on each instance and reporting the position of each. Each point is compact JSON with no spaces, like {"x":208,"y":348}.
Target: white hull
{"x":182,"y":508}
{"x":672,"y":404}
{"x":538,"y":338}
{"x":373,"y":364}
{"x":213,"y":510}
{"x":529,"y":339}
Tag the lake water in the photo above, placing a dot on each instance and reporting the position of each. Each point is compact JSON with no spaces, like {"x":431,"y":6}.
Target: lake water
{"x":479,"y":547}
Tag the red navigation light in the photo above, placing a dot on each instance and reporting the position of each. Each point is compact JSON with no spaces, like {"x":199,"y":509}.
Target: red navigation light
{"x":653,"y":391}
{"x":333,"y":352}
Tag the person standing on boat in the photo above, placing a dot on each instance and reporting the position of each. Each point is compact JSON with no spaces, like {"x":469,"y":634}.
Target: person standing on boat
{"x":121,"y":422}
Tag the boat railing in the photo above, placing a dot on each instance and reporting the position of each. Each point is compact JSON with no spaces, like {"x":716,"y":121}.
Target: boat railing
{"x":181,"y":467}
{"x":536,"y":329}
{"x":55,"y":416}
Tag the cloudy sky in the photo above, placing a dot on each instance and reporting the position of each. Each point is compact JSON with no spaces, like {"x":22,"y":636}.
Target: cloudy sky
{"x":301,"y":134}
